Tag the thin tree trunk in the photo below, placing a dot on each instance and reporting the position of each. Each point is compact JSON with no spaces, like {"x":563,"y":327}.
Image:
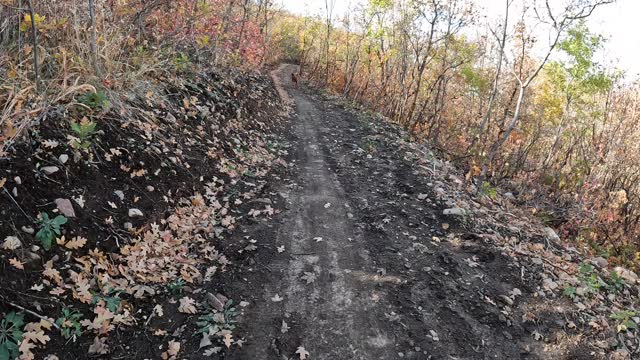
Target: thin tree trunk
{"x":34,"y":34}
{"x":496,"y":80}
{"x":94,"y":48}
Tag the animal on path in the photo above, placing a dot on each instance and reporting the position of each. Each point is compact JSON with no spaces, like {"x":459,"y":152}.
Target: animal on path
{"x":294,"y":79}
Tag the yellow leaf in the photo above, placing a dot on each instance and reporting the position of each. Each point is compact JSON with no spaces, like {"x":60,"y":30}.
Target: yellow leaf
{"x":2,"y":182}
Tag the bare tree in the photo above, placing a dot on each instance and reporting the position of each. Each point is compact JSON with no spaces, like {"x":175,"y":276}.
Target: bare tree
{"x":502,"y":40}
{"x":576,"y":10}
{"x":34,"y":35}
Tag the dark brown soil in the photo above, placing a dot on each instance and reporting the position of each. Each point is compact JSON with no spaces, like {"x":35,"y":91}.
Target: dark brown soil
{"x":391,"y":276}
{"x":392,"y":271}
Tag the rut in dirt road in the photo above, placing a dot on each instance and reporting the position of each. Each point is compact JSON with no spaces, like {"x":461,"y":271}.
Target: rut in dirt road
{"x":367,"y":265}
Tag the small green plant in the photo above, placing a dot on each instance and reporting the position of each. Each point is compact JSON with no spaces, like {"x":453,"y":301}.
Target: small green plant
{"x":487,"y":190}
{"x":591,"y":283}
{"x":111,"y":299}
{"x":625,"y":321}
{"x":591,"y":279}
{"x":83,"y":131}
{"x":182,"y":62}
{"x":615,"y":283}
{"x":213,"y":321}
{"x":570,"y":291}
{"x":95,"y":100}
{"x":49,"y":228}
{"x":175,"y":287}
{"x":69,"y":323}
{"x":11,"y":335}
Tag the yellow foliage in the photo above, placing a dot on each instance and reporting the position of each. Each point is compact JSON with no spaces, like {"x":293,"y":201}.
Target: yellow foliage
{"x":26,"y":22}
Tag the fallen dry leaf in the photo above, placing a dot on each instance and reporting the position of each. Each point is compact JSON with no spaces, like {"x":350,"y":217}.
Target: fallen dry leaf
{"x":16,"y":263}
{"x":99,"y":346}
{"x":75,"y":243}
{"x":227,"y":340}
{"x":187,"y":306}
{"x":172,"y":350}
{"x":302,"y":352}
{"x":11,"y":243}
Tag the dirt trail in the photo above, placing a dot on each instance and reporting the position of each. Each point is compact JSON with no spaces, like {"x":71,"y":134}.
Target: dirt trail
{"x":386,"y":278}
{"x":322,"y":244}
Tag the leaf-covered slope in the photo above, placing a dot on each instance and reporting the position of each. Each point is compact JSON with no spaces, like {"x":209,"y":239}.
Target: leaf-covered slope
{"x":104,"y":205}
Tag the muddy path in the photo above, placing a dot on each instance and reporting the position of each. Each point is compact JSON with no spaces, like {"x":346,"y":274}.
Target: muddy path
{"x":361,"y":264}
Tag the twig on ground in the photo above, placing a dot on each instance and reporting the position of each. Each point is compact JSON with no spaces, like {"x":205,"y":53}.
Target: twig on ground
{"x":49,"y":320}
{"x":18,"y":205}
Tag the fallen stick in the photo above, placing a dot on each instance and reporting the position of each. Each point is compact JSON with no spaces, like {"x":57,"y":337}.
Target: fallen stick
{"x":35,"y":314}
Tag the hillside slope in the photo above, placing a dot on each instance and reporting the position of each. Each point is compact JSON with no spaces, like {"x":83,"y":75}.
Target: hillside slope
{"x":213,"y":222}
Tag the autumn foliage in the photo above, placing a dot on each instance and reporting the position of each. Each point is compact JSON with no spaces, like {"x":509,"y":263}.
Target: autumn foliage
{"x":559,"y":131}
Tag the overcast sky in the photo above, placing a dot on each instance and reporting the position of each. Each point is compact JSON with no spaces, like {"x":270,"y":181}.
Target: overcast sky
{"x":618,"y":22}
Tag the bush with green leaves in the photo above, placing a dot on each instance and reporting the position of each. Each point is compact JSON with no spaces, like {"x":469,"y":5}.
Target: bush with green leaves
{"x":95,"y":100}
{"x":11,"y":335}
{"x":487,"y":190}
{"x":182,"y":62}
{"x":69,"y":323}
{"x":49,"y":228}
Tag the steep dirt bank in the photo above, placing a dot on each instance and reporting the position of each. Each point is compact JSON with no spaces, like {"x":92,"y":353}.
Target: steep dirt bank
{"x":145,"y":199}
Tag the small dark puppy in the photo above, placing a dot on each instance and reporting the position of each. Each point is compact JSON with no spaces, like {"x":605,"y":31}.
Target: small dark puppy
{"x":294,"y":79}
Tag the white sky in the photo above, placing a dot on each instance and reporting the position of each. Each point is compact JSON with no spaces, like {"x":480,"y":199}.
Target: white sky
{"x":618,"y":22}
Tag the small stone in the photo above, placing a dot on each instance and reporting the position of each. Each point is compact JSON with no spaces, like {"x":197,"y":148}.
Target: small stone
{"x":35,"y":248}
{"x":510,"y":196}
{"x":14,"y":191}
{"x":18,"y":180}
{"x":119,"y":194}
{"x":551,"y":234}
{"x":150,"y":188}
{"x":28,"y":229}
{"x":505,"y":299}
{"x":422,"y":196}
{"x":455,"y":212}
{"x":32,"y":257}
{"x":128,"y":226}
{"x":50,"y":170}
{"x":63,"y":158}
{"x":214,"y":301}
{"x":628,"y":275}
{"x":135,"y":213}
{"x":65,"y":207}
{"x":434,"y":335}
{"x":600,"y":262}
